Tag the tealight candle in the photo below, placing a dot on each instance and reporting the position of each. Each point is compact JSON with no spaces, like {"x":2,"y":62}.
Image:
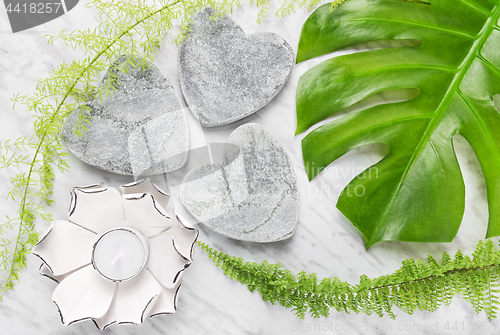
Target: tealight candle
{"x":120,"y":254}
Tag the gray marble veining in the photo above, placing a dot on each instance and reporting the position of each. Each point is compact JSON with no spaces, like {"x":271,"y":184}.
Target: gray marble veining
{"x":227,"y":75}
{"x":252,"y":196}
{"x":139,"y":129}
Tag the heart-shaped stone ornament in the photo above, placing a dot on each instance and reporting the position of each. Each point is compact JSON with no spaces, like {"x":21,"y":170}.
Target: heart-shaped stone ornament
{"x":252,"y":196}
{"x":139,"y":129}
{"x":226,"y":75}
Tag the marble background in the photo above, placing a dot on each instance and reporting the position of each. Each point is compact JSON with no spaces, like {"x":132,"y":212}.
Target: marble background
{"x":210,"y":303}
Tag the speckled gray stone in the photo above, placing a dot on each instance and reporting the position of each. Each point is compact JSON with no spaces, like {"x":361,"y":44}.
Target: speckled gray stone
{"x":226,"y":75}
{"x":252,"y":198}
{"x":139,"y":129}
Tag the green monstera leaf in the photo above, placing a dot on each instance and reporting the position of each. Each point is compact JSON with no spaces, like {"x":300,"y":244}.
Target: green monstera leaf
{"x":418,"y":193}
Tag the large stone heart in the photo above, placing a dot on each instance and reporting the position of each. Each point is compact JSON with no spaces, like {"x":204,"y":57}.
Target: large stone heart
{"x":226,"y":75}
{"x":24,"y":14}
{"x":252,"y":196}
{"x":139,"y":129}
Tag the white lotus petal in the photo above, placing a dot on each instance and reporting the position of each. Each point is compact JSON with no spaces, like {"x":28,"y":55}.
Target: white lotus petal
{"x":167,"y":301}
{"x":133,"y":300}
{"x":165,"y":262}
{"x":65,"y":247}
{"x":181,"y":221}
{"x":184,"y":236}
{"x":44,"y":270}
{"x":83,"y":295}
{"x":93,"y":186}
{"x":97,"y":209}
{"x":143,"y":213}
{"x":136,"y":297}
{"x":109,"y":318}
{"x":146,"y":186}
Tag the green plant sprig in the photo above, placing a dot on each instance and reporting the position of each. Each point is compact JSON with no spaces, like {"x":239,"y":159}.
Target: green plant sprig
{"x":123,"y":27}
{"x":417,"y":285}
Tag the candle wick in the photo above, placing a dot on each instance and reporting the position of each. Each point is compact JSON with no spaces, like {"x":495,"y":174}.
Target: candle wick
{"x":114,"y":260}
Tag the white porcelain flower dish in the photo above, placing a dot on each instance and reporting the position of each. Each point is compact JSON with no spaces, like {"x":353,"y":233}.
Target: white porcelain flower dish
{"x":163,"y":250}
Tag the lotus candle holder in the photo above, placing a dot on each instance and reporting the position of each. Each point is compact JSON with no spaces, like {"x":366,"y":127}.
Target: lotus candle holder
{"x":121,"y":256}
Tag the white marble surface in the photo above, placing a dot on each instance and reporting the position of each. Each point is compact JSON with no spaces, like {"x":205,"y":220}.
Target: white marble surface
{"x":210,"y":303}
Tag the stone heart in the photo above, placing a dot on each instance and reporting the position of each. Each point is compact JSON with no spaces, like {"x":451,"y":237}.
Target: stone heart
{"x":254,"y":197}
{"x":139,"y":129}
{"x":25,"y":14}
{"x":226,"y":75}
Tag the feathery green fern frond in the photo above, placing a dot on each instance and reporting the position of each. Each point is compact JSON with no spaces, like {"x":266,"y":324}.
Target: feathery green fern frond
{"x":417,"y":285}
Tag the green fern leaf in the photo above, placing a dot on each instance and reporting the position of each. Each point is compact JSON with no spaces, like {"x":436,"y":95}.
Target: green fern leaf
{"x":417,"y":285}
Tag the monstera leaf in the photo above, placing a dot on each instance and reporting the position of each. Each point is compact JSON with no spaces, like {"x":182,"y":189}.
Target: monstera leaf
{"x":418,"y":193}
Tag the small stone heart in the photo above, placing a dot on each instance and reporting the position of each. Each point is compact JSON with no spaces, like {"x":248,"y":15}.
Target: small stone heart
{"x":139,"y":129}
{"x":252,"y":196}
{"x":226,"y":75}
{"x":25,"y":14}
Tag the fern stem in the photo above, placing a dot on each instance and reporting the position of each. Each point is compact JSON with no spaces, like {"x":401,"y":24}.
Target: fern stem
{"x":22,"y":208}
{"x":449,"y":272}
